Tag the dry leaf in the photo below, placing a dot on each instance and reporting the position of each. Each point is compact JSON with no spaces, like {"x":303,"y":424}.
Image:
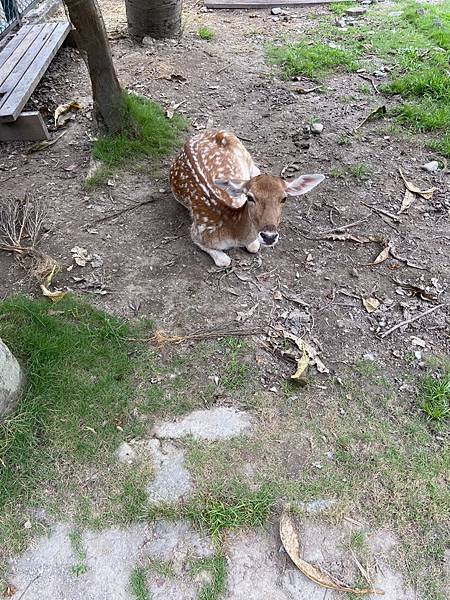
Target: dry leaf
{"x":9,"y":591}
{"x":375,"y":114}
{"x":80,"y":255}
{"x":44,"y":144}
{"x":277,"y":295}
{"x":313,"y":357}
{"x":291,"y":543}
{"x":55,"y":296}
{"x":426,"y":194}
{"x":302,"y":364}
{"x":408,"y":199}
{"x":61,"y":113}
{"x":172,"y":108}
{"x":384,"y":255}
{"x":370,"y":304}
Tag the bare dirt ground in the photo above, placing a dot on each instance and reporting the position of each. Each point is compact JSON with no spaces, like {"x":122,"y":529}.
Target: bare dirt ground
{"x":147,"y":253}
{"x":310,"y":283}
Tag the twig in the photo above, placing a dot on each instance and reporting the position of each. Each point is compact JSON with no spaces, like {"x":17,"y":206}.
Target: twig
{"x":367,"y":78}
{"x":161,"y":338}
{"x":28,"y":586}
{"x":244,"y":139}
{"x":128,"y":208}
{"x":408,"y":321}
{"x":222,"y":69}
{"x":383,"y":212}
{"x":337,"y":228}
{"x":394,"y":254}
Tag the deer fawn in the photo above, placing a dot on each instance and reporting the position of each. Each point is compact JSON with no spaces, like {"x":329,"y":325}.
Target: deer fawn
{"x":230,"y":202}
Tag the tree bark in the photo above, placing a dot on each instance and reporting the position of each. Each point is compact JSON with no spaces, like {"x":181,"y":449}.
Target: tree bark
{"x":90,"y":36}
{"x":155,"y":18}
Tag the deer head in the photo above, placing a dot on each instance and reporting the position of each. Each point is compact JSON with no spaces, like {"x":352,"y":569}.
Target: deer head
{"x":264,"y":196}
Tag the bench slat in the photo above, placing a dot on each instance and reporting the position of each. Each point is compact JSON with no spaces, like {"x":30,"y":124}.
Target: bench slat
{"x":13,"y":43}
{"x":32,"y":66}
{"x":18,"y":50}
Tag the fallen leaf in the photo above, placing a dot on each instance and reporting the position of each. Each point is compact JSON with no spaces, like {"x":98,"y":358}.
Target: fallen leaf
{"x":54,"y":296}
{"x":302,"y":364}
{"x":408,"y":199}
{"x":277,"y":295}
{"x":44,"y":144}
{"x":375,"y":114}
{"x":9,"y":591}
{"x":302,"y":90}
{"x":310,"y":350}
{"x":80,"y":256}
{"x":291,"y":543}
{"x":370,"y":304}
{"x":172,"y":108}
{"x":61,"y":113}
{"x":426,"y":194}
{"x":384,"y":255}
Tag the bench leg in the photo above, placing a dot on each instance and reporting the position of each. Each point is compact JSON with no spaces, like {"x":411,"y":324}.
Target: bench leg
{"x":28,"y":127}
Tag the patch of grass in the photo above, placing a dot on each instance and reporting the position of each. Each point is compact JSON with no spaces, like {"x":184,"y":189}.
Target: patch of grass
{"x":314,"y":61}
{"x":337,"y":173}
{"x":146,"y":132}
{"x":236,"y":372}
{"x":162,"y":567}
{"x":217,"y":567}
{"x":138,"y":584}
{"x":99,"y":177}
{"x":361,"y":171}
{"x":366,"y":367}
{"x":339,"y":8}
{"x":435,"y":397}
{"x":233,"y":507}
{"x":80,"y":568}
{"x":205,"y":33}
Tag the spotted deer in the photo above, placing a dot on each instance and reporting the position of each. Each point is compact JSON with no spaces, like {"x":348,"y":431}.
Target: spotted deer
{"x":231,"y":203}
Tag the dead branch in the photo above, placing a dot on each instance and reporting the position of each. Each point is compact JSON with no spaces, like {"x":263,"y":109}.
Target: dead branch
{"x":127,"y":209}
{"x":412,"y":320}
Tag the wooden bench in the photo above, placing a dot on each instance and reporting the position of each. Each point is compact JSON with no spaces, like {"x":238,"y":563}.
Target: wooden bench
{"x":23,"y":62}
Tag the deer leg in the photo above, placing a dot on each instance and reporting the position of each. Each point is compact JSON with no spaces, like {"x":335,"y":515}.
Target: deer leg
{"x":253,"y":247}
{"x":219,"y":257}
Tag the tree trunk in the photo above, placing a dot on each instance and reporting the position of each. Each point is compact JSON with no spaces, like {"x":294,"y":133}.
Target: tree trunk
{"x":90,"y":36}
{"x":155,"y":18}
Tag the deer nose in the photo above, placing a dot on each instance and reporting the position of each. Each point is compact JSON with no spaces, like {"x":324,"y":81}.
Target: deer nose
{"x":269,"y":238}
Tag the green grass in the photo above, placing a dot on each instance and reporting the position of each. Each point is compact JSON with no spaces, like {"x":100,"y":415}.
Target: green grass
{"x":162,"y":567}
{"x":217,"y":567}
{"x":435,"y":397}
{"x":361,"y":171}
{"x":234,"y":506}
{"x":138,"y":584}
{"x":314,"y":61}
{"x":80,"y":568}
{"x":147,"y":132}
{"x":236,"y":373}
{"x":339,"y":8}
{"x":205,"y":33}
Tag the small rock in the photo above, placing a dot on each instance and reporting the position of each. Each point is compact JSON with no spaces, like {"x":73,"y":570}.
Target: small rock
{"x":11,"y":381}
{"x":276,"y":10}
{"x":96,"y":261}
{"x":369,"y":356}
{"x":418,"y":354}
{"x":125,"y":453}
{"x":148,"y":41}
{"x":341,"y":23}
{"x":354,"y":272}
{"x":356,"y":11}
{"x":316,"y":128}
{"x":431,"y":167}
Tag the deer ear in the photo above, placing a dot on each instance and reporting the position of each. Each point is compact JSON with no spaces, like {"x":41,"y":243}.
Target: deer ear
{"x":234,"y":187}
{"x":303,"y":184}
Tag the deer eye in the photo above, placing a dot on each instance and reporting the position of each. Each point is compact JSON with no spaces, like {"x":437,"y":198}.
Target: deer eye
{"x":250,"y":197}
{"x":283,"y":200}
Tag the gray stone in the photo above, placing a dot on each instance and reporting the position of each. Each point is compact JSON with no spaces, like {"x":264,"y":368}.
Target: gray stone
{"x":431,"y":167}
{"x":276,"y":10}
{"x":125,"y":453}
{"x":356,"y":11}
{"x":316,"y":128}
{"x":341,"y":22}
{"x":172,"y":481}
{"x":148,"y":41}
{"x":110,"y":557}
{"x":11,"y":381}
{"x":369,"y":356}
{"x":214,"y":424}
